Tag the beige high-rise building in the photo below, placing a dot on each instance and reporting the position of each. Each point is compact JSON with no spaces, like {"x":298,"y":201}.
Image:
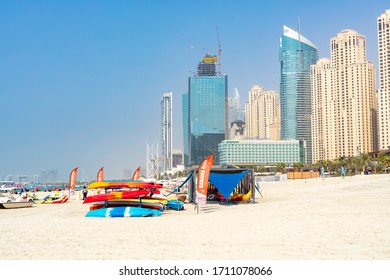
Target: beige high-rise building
{"x":384,"y":80}
{"x":262,"y":114}
{"x":344,"y":100}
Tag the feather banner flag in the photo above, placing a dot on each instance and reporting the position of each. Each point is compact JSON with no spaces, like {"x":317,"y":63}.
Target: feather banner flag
{"x":100,"y":175}
{"x":72,"y":180}
{"x":137,"y":173}
{"x":203,"y":179}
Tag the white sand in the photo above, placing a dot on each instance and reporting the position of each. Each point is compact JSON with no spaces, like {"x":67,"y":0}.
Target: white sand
{"x":332,"y":219}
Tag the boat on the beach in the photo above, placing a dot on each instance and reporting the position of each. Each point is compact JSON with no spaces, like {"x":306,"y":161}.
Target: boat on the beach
{"x":9,"y":200}
{"x":123,"y":212}
{"x":52,"y":199}
{"x":57,"y":200}
{"x":16,"y":204}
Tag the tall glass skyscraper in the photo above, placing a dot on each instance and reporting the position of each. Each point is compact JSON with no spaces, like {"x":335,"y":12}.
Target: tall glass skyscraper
{"x":204,"y":113}
{"x":166,"y":132}
{"x":296,"y":54}
{"x":384,"y":79}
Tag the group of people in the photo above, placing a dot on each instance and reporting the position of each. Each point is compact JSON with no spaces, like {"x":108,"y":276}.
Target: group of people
{"x":322,"y":171}
{"x":24,"y":193}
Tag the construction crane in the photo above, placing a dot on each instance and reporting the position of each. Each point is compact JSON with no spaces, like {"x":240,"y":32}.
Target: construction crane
{"x":219,"y":54}
{"x":204,"y":53}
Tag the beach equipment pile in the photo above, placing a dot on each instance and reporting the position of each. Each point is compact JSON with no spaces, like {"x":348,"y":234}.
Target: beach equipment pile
{"x":129,"y":199}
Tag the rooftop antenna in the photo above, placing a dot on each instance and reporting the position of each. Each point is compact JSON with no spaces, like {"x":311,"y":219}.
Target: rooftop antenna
{"x":219,"y":54}
{"x":299,"y":31}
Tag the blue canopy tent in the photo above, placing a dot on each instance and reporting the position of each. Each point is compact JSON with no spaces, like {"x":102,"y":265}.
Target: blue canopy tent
{"x":226,"y":182}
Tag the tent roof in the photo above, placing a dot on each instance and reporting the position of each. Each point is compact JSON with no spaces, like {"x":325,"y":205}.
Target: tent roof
{"x":226,"y":182}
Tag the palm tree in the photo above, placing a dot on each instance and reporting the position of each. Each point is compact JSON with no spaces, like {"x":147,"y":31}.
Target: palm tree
{"x":297,"y":166}
{"x":260,"y":168}
{"x":358,"y":163}
{"x":384,"y":159}
{"x":326,"y":163}
{"x":280,"y":167}
{"x":366,"y":161}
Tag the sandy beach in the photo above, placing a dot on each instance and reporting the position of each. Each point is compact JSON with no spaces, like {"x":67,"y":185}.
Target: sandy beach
{"x":321,"y":219}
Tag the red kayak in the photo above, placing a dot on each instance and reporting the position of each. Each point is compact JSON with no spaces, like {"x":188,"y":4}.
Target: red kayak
{"x":117,"y":195}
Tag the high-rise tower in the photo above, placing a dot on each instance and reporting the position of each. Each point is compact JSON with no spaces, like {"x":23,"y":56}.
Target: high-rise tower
{"x":344,"y":100}
{"x":166,"y":132}
{"x":205,"y":120}
{"x":235,"y":111}
{"x":296,"y":54}
{"x":384,"y":80}
{"x":262,"y":114}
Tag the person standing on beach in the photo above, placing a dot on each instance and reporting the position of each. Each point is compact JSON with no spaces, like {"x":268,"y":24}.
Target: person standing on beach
{"x":322,"y":172}
{"x":342,"y":172}
{"x":85,"y":193}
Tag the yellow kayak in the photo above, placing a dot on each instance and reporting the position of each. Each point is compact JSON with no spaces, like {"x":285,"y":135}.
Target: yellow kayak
{"x":128,"y":184}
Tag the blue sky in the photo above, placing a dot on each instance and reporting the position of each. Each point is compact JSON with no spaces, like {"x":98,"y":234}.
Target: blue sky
{"x":81,"y":81}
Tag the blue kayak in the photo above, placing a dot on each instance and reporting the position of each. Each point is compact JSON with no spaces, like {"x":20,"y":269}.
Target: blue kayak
{"x":123,"y":212}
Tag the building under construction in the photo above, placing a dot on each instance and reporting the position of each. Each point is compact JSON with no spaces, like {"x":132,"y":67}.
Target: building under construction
{"x":205,"y":112}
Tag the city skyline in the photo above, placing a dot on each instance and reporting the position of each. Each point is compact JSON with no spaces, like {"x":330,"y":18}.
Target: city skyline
{"x":80,"y":83}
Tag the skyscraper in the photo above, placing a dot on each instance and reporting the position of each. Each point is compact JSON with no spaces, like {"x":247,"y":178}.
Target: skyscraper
{"x":166,"y":132}
{"x":344,"y":100}
{"x":384,"y":80}
{"x":236,"y":116}
{"x":205,"y":120}
{"x":235,"y":111}
{"x":296,"y":54}
{"x":262,"y":114}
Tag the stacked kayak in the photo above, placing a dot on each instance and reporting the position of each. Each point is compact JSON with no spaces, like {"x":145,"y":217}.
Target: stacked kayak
{"x":126,"y":199}
{"x":117,"y":195}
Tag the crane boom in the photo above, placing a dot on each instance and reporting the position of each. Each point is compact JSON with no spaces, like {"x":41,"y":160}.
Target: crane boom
{"x":219,"y":54}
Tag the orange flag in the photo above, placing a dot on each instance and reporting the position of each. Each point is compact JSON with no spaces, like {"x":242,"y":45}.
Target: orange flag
{"x":203,"y":179}
{"x":100,"y":175}
{"x":72,"y":180}
{"x":136,"y":173}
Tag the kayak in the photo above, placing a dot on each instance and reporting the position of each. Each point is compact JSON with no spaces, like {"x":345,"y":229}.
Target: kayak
{"x":41,"y":201}
{"x":123,"y":212}
{"x":127,"y":184}
{"x":117,"y":195}
{"x":142,"y":200}
{"x":57,"y":200}
{"x":118,"y":203}
{"x":53,"y":199}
